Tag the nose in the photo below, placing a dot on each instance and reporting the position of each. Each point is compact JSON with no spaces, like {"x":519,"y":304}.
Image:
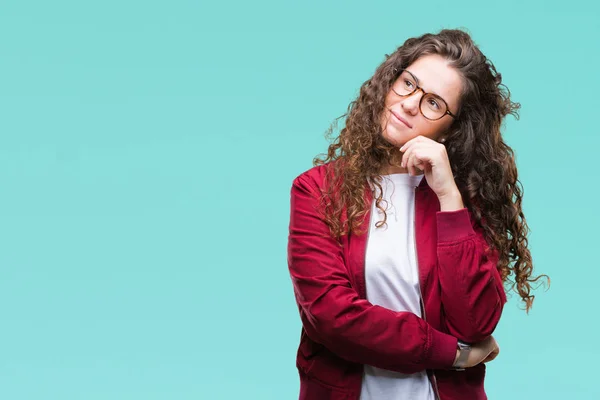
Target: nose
{"x":411,"y":102}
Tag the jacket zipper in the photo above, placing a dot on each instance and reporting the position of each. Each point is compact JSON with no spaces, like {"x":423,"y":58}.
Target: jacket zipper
{"x":435,"y":387}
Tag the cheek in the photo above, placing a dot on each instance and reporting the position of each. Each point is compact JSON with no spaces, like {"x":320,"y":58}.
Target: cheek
{"x":390,"y":102}
{"x":385,"y":113}
{"x":430,"y":129}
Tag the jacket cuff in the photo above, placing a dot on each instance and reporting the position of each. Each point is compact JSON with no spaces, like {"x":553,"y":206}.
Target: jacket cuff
{"x":442,"y":350}
{"x":453,"y":226}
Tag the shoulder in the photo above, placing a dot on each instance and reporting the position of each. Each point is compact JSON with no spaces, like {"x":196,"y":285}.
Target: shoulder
{"x":314,"y":178}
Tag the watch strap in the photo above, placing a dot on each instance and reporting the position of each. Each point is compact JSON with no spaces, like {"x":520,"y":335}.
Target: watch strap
{"x":463,"y":355}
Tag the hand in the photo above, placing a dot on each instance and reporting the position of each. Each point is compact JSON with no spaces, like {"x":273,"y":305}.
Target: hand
{"x":430,"y":157}
{"x":494,"y":353}
{"x":482,"y":352}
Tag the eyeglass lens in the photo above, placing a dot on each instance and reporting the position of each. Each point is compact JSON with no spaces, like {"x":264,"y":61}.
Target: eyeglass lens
{"x":432,"y":106}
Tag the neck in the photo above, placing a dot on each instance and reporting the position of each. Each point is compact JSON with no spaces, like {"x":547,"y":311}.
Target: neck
{"x":393,"y":165}
{"x":393,"y":169}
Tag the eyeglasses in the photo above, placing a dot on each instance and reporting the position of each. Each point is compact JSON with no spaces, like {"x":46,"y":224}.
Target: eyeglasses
{"x":431,"y":106}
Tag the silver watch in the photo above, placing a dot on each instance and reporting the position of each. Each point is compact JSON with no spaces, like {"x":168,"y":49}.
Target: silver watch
{"x":463,"y":355}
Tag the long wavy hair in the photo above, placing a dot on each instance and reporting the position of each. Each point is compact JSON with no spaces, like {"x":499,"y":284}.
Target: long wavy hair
{"x":483,"y":164}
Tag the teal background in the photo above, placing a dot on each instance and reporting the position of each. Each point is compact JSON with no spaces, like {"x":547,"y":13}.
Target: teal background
{"x":147,"y":151}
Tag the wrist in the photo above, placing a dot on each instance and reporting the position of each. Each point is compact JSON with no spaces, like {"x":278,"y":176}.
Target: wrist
{"x":451,"y":200}
{"x":463,"y":350}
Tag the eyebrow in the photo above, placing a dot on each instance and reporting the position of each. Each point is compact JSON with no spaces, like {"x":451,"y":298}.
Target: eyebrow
{"x":427,"y":90}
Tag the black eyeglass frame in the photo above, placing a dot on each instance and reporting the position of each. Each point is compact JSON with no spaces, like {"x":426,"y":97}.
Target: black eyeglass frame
{"x":417,"y":87}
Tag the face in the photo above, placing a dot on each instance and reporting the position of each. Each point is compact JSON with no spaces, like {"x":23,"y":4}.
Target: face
{"x":434,"y":76}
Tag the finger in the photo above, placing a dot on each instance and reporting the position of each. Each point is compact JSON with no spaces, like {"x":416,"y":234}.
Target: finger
{"x":494,"y":353}
{"x":406,"y":157}
{"x":424,"y":140}
{"x":421,"y":156}
{"x":412,"y":160}
{"x":415,"y":147}
{"x":417,"y":165}
{"x":421,"y":165}
{"x":490,"y":357}
{"x":410,"y":143}
{"x":406,"y":145}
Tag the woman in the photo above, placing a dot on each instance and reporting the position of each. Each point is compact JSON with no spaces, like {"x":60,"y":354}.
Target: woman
{"x":402,"y":237}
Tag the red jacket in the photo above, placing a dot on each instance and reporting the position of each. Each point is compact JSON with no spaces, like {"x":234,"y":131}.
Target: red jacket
{"x":462,"y":293}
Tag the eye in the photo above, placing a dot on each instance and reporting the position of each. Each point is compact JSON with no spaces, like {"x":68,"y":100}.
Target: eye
{"x":408,"y":83}
{"x":433,"y":103}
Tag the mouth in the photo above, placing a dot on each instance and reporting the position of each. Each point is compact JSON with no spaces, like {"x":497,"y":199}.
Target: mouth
{"x":400,"y":119}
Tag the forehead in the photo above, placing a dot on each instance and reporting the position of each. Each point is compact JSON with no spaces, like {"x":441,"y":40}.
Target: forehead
{"x":436,"y":76}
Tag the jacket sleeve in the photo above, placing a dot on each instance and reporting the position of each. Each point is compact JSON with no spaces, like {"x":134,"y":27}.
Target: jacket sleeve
{"x":472,"y":292}
{"x":332,"y":312}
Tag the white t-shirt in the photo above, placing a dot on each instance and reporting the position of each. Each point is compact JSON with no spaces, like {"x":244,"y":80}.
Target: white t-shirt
{"x":392,"y":281}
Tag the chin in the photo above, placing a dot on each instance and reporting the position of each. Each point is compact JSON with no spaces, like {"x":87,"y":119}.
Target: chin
{"x":395,"y":138}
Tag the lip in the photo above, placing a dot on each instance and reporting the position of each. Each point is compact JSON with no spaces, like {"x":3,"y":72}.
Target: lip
{"x":400,"y":119}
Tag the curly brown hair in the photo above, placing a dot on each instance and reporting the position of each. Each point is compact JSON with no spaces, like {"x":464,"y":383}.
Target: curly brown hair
{"x":483,"y":164}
